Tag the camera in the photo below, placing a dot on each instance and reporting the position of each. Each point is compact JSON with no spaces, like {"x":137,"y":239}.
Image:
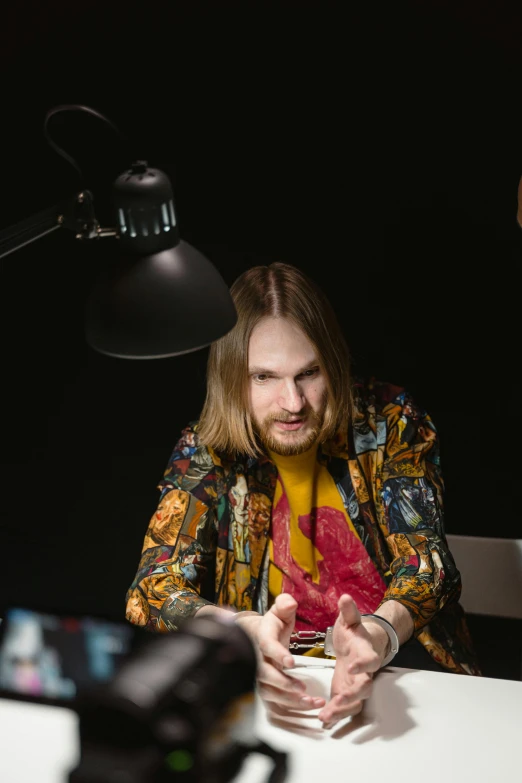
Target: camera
{"x":153,"y":708}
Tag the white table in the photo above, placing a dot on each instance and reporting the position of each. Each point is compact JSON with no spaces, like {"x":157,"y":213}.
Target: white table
{"x":436,"y":727}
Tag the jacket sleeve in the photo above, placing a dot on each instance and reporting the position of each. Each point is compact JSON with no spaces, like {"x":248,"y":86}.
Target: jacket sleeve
{"x":178,"y":551}
{"x":424,"y":577}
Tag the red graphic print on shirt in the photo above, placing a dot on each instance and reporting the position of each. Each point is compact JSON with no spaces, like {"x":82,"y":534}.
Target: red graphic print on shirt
{"x":346,"y":567}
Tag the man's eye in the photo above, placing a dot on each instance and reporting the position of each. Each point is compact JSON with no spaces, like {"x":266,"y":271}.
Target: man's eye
{"x":261,"y":377}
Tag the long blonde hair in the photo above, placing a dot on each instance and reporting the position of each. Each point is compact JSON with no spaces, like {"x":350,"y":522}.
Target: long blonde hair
{"x":282,"y":291}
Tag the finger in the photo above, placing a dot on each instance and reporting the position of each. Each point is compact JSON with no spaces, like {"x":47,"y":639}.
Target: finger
{"x":348,"y":610}
{"x":295,"y":701}
{"x":269,"y":675}
{"x":361,"y":689}
{"x":271,"y":637}
{"x":279,"y":655}
{"x":277,"y":710}
{"x":354,"y":690}
{"x":338,"y":708}
{"x":284,"y":607}
{"x":367,"y":661}
{"x":349,"y":702}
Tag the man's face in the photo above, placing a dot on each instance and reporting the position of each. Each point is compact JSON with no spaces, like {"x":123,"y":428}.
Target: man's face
{"x":287,"y":387}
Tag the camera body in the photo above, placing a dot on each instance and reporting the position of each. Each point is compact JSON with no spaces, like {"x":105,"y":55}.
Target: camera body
{"x":181,"y":708}
{"x":152,"y":707}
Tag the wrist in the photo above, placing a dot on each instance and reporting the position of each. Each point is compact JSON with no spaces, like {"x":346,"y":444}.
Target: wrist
{"x":384,"y":625}
{"x":212,"y":610}
{"x":379,"y":638}
{"x":241,"y":615}
{"x":249,"y":622}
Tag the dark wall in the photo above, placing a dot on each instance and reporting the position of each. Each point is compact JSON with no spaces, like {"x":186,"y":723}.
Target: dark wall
{"x":378,"y":149}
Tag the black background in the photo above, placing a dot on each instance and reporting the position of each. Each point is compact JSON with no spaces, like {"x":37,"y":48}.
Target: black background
{"x":377,"y":146}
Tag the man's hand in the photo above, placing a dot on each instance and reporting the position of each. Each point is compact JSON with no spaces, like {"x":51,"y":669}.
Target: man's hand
{"x":271,"y":636}
{"x":360,"y":650}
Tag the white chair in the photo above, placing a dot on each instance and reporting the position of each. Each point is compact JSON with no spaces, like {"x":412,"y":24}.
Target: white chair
{"x":491,"y":570}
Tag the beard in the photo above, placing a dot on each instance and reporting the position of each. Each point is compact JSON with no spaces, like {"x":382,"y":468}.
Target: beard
{"x":294,"y":443}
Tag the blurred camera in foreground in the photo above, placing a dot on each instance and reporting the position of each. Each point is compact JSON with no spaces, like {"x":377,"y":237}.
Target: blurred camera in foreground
{"x":151,"y":707}
{"x":181,"y":708}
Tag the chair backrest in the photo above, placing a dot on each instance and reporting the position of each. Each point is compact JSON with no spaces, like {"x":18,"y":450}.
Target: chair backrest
{"x":491,"y":570}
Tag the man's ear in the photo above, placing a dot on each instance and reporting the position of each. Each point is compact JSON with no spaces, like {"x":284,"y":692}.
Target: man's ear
{"x":519,"y":210}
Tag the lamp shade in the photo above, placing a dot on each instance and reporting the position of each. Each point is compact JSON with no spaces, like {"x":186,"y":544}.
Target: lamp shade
{"x":160,"y":296}
{"x":160,"y":305}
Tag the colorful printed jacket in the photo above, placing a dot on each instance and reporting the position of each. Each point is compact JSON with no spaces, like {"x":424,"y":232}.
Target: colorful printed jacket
{"x":388,"y":475}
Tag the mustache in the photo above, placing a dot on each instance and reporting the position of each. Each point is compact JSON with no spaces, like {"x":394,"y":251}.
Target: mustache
{"x":286,"y":417}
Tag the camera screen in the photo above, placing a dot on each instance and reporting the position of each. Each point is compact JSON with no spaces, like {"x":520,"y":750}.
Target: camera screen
{"x":50,"y":658}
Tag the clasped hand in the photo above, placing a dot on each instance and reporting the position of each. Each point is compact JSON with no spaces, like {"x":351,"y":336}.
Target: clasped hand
{"x":359,"y":654}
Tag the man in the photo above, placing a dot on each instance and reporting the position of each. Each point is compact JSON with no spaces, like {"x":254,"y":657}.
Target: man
{"x":303,"y":500}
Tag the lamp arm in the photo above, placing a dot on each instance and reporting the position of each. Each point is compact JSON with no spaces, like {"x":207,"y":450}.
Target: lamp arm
{"x":30,"y":229}
{"x":75,"y":214}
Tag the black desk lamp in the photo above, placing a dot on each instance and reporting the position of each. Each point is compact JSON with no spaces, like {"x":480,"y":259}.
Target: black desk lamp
{"x":159,"y":296}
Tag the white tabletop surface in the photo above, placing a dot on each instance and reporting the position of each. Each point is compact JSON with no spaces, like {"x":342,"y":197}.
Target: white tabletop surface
{"x":438,"y":727}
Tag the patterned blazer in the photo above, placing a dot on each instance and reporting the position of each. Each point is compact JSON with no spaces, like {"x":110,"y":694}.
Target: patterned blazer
{"x":387,"y":471}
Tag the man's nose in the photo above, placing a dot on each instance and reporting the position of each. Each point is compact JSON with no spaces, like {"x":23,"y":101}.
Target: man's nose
{"x":291,"y":398}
